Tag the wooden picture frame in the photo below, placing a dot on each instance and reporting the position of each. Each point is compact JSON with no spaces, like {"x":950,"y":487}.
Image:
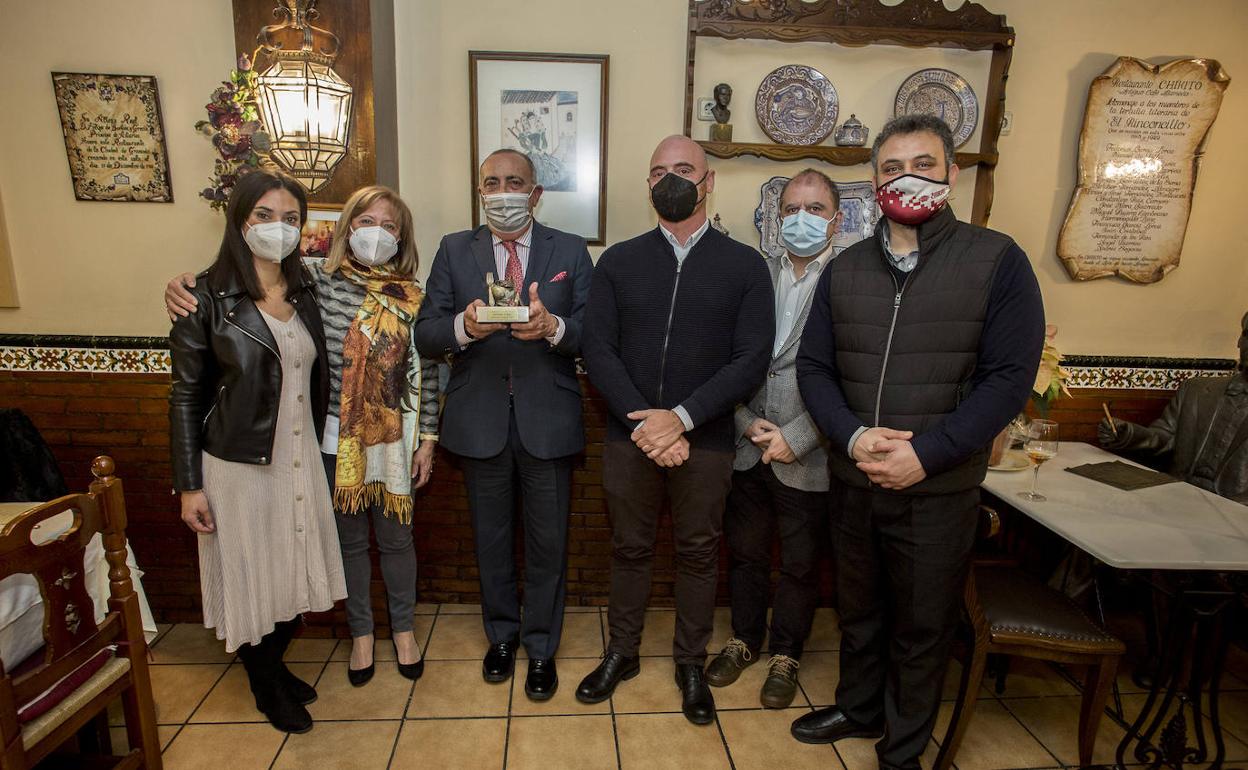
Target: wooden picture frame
{"x":553,"y":108}
{"x":114,"y":137}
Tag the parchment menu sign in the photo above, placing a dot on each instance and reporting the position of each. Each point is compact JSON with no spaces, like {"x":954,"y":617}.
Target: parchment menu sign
{"x":114,"y":137}
{"x":1144,"y":132}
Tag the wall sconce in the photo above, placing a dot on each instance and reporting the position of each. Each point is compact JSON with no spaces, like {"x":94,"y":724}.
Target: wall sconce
{"x":304,"y":104}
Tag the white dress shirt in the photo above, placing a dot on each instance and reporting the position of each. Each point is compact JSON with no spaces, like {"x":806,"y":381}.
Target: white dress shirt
{"x":500,"y":262}
{"x":791,"y":293}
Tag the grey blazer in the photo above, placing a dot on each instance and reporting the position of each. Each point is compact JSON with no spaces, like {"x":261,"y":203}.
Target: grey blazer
{"x":779,"y":401}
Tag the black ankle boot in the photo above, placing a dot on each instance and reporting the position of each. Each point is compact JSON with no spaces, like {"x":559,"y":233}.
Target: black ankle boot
{"x":300,"y":691}
{"x":272,"y":700}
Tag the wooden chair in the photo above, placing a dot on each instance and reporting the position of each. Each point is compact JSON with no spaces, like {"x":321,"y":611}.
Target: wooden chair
{"x":1011,"y":613}
{"x":83,"y":666}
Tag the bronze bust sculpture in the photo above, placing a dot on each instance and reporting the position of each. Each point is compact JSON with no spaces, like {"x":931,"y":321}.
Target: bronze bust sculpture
{"x":721,"y":129}
{"x":1202,"y":435}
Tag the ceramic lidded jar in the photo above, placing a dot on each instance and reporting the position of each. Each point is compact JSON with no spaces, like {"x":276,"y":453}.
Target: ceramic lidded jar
{"x":851,"y":133}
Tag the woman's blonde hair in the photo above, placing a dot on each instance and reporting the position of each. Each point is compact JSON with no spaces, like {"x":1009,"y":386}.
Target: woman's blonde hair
{"x":406,"y":261}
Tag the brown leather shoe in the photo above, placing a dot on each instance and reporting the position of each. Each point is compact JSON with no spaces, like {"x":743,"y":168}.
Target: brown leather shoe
{"x":730,"y":662}
{"x":780,"y":686}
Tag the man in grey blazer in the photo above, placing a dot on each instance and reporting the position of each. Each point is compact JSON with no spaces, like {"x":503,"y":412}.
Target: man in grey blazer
{"x":781,"y":466}
{"x":513,"y":406}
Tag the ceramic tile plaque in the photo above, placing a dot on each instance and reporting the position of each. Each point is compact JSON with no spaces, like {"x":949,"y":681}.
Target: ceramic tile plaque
{"x":1144,"y":133}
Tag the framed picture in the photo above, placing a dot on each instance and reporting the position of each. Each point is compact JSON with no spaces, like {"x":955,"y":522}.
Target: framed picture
{"x":318,"y":232}
{"x":553,"y":108}
{"x":114,"y":137}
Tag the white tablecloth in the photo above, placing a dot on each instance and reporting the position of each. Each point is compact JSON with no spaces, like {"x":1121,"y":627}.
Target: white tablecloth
{"x":21,"y":606}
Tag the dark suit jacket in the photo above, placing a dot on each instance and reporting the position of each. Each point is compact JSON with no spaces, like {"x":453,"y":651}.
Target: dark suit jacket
{"x":475,"y":416}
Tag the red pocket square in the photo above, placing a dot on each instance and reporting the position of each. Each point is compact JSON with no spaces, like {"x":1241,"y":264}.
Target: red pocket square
{"x":559,"y":277}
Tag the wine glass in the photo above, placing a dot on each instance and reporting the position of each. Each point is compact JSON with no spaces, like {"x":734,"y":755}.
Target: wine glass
{"x":1041,"y":445}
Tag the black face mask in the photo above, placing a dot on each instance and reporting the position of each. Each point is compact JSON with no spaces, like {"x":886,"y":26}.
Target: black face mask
{"x":675,"y":197}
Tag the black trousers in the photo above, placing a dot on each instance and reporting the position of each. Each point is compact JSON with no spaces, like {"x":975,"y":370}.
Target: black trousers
{"x":800,"y":520}
{"x":635,"y":488}
{"x":902,"y":562}
{"x":545,"y":488}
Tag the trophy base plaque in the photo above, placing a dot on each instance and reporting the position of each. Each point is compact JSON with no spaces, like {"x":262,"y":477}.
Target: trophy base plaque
{"x":503,"y":314}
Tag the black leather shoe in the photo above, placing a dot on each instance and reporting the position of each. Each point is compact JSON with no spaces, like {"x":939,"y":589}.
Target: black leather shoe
{"x":285,"y":714}
{"x":600,"y":683}
{"x":499,"y":662}
{"x":542,"y":680}
{"x":299,"y":691}
{"x":696,"y":700}
{"x":830,"y":724}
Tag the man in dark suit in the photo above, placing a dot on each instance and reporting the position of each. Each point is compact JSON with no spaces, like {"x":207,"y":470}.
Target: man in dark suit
{"x":513,"y":405}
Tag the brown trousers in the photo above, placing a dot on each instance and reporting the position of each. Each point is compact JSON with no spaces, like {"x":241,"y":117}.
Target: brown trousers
{"x":636,"y":488}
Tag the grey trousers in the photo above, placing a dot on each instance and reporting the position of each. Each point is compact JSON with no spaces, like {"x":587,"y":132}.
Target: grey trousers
{"x":398,"y":564}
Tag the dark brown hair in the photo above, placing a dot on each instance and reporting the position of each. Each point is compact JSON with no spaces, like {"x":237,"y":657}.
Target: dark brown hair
{"x":234,"y":259}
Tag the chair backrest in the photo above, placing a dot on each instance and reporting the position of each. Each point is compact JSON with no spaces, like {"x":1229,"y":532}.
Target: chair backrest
{"x":70,"y":633}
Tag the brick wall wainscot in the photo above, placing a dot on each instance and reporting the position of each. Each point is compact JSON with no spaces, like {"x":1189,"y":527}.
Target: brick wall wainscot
{"x":88,"y":404}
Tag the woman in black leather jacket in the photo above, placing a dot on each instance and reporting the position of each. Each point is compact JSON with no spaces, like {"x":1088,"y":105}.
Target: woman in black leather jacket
{"x":246,"y":409}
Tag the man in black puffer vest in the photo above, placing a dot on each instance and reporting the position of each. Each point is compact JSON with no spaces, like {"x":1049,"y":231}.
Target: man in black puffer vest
{"x":678,"y":331}
{"x":922,"y":343}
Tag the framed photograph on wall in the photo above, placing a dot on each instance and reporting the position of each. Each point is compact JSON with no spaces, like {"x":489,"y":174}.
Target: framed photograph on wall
{"x":553,"y":108}
{"x":114,"y":137}
{"x":318,"y":231}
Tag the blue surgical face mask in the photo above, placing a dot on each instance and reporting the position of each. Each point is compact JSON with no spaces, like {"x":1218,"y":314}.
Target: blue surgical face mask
{"x":804,"y":234}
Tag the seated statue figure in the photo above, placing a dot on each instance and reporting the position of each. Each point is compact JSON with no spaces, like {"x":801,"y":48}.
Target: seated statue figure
{"x":1202,"y":435}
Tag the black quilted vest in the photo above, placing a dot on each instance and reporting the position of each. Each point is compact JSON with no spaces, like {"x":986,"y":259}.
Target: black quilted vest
{"x":906,"y":347}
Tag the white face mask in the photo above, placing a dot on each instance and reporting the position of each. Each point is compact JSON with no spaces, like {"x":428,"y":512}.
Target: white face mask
{"x":507,"y":212}
{"x":272,"y":240}
{"x":372,"y":246}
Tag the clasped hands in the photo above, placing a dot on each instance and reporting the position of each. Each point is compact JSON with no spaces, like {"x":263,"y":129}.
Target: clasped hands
{"x":541,"y":323}
{"x":766,"y":436}
{"x":661,"y":436}
{"x":888,"y":458}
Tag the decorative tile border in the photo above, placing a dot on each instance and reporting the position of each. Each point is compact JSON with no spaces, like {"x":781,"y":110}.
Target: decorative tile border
{"x":1141,"y":373}
{"x":84,"y":354}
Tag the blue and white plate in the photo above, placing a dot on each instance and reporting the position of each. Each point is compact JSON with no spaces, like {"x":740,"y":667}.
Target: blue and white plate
{"x":943,"y":93}
{"x":858,"y":215}
{"x":796,"y":104}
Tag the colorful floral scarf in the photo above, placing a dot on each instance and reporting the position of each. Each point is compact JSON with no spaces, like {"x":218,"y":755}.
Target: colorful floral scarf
{"x":380,"y":397}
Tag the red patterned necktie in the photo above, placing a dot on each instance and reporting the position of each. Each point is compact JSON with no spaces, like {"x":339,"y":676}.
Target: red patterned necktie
{"x":515,"y":273}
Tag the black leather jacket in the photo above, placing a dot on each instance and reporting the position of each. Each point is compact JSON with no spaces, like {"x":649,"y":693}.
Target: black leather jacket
{"x":227,"y":378}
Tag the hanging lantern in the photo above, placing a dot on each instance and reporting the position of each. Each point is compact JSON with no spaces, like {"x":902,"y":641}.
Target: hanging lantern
{"x":304,"y":104}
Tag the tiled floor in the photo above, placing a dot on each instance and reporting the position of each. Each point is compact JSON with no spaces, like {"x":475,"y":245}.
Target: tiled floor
{"x":452,"y":719}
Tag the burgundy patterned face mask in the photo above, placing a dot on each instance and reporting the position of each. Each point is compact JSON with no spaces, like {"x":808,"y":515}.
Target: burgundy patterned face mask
{"x":911,"y":199}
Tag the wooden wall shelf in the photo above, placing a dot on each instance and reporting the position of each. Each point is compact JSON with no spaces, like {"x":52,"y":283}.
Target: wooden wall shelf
{"x":837,"y":156}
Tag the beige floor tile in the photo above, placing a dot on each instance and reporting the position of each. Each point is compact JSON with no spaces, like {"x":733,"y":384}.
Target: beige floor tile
{"x":952,"y":681}
{"x":120,"y":741}
{"x":309,"y":650}
{"x":859,"y":754}
{"x":450,"y":744}
{"x":190,"y":643}
{"x":231,"y":700}
{"x":457,"y":637}
{"x":161,"y":630}
{"x":578,"y":608}
{"x":424,"y":608}
{"x":177,"y":690}
{"x":541,"y":743}
{"x":825,"y":633}
{"x":656,"y":637}
{"x":760,"y":740}
{"x":340,"y":746}
{"x":1028,"y":678}
{"x":383,"y":649}
{"x":653,"y":690}
{"x":459,"y":609}
{"x":384,"y":697}
{"x":1233,"y":710}
{"x":661,"y":741}
{"x":818,"y":676}
{"x":1055,"y":721}
{"x":454,"y":688}
{"x":571,"y":672}
{"x":994,"y":739}
{"x":201,"y":746}
{"x":743,"y":693}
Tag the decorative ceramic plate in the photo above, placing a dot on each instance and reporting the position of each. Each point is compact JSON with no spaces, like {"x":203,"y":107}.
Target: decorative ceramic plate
{"x":796,"y":104}
{"x":858,"y":215}
{"x":942,"y":93}
{"x":1012,"y":460}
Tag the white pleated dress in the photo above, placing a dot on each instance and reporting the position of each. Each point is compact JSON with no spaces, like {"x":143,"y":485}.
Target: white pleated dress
{"x":275,"y":550}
